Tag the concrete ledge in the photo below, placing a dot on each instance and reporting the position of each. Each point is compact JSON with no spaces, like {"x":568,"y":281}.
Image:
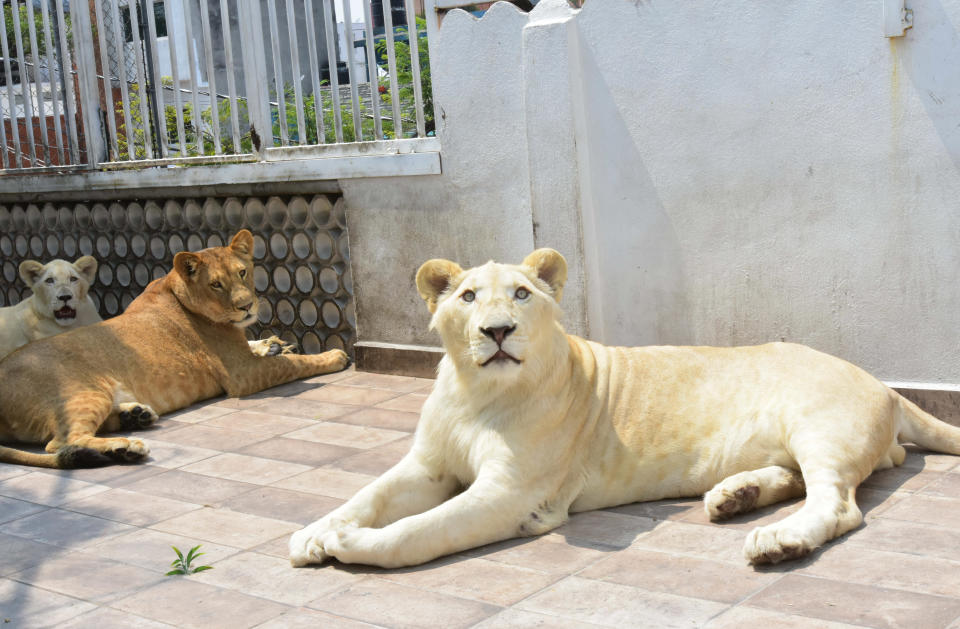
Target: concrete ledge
{"x":401,"y":360}
{"x":940,"y":400}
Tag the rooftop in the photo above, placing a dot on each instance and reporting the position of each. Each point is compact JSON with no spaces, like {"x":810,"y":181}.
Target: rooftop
{"x":90,"y":547}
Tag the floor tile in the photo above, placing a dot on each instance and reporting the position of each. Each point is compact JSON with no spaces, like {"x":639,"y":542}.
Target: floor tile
{"x":856,"y":604}
{"x":187,"y":603}
{"x":332,"y":377}
{"x":259,"y":423}
{"x":309,"y":453}
{"x":474,"y":578}
{"x":375,"y":461}
{"x":673,"y":509}
{"x":901,"y":478}
{"x":89,"y":577}
{"x":130,"y":507}
{"x":245,"y":403}
{"x":64,"y":528}
{"x":403,"y":384}
{"x":946,"y":486}
{"x":754,"y":618}
{"x":410,"y":403}
{"x":11,"y":509}
{"x":222,"y":526}
{"x":339,"y":394}
{"x":327,"y":482}
{"x":26,"y":606}
{"x":46,"y":489}
{"x":279,"y":547}
{"x":894,"y":570}
{"x":171,"y":455}
{"x":198,"y":413}
{"x":153,"y":550}
{"x":360,"y":437}
{"x":19,"y":553}
{"x":920,"y":459}
{"x":382,"y":418}
{"x":381,"y":602}
{"x":212,"y":437}
{"x":605,"y":528}
{"x":246,"y":469}
{"x":908,"y":537}
{"x":188,"y":487}
{"x":112,"y":619}
{"x":518,"y":619}
{"x":8,"y":470}
{"x":283,"y":504}
{"x":310,"y":619}
{"x":926,"y":509}
{"x":708,"y":542}
{"x":110,"y":475}
{"x":309,"y":409}
{"x":874,"y":502}
{"x":549,"y":553}
{"x":615,"y":605}
{"x":663,"y":572}
{"x":273,"y":578}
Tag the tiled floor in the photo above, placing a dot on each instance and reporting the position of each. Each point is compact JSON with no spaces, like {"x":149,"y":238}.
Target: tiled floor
{"x":89,"y":548}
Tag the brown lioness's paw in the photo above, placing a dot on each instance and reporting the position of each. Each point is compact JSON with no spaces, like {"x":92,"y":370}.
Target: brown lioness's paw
{"x":272,"y":346}
{"x":129,"y":450}
{"x":134,"y":415}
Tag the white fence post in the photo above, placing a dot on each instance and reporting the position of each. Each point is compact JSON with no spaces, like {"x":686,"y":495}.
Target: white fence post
{"x":87,"y":78}
{"x":255,"y":71}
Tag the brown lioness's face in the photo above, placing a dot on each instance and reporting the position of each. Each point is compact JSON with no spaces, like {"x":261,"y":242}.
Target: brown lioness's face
{"x":219,"y":281}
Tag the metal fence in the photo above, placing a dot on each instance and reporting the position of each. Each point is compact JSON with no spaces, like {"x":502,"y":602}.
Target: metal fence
{"x":121,"y":83}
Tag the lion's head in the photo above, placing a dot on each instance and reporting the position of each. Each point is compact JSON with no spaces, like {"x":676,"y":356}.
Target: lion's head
{"x":217,"y":283}
{"x":59,"y":286}
{"x":497,"y":319}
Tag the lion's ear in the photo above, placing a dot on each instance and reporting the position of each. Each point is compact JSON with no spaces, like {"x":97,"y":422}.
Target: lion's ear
{"x":551,"y":267}
{"x":434,"y":277}
{"x":242,"y":244}
{"x":187,"y":264}
{"x":87,"y":267}
{"x":30,"y":271}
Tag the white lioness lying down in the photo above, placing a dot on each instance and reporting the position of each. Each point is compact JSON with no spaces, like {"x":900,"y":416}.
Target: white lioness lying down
{"x":59,"y":302}
{"x":537,"y":424}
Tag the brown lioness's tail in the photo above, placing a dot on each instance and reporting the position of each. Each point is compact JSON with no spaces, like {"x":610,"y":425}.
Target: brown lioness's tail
{"x":67,"y":457}
{"x":927,"y":431}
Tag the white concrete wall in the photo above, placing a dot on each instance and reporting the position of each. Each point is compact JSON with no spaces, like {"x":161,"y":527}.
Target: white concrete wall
{"x":718,"y":173}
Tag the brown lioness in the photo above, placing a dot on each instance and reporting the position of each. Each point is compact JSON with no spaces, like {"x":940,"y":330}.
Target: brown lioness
{"x":537,"y":424}
{"x":181,"y":341}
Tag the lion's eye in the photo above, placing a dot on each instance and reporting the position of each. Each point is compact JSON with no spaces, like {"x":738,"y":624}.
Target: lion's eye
{"x":468,"y":296}
{"x":243,"y":273}
{"x":73,"y":279}
{"x":216,"y":285}
{"x":49,"y":280}
{"x":522,"y":293}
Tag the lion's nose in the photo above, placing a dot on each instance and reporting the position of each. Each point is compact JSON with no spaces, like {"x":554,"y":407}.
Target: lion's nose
{"x":65,"y":298}
{"x":498,"y":334}
{"x":246,"y":307}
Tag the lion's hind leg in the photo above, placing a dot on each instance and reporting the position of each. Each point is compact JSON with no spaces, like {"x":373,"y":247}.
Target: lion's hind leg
{"x":829,"y":511}
{"x":751,"y":490}
{"x":83,"y":415}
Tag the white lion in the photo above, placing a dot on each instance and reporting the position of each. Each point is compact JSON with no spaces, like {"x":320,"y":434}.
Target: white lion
{"x":527,"y":424}
{"x":59,"y":302}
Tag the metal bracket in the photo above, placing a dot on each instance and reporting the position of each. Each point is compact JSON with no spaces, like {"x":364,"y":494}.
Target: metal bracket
{"x":897,"y":18}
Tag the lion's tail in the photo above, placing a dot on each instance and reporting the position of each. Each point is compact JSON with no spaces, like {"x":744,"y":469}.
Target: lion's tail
{"x":67,"y":457}
{"x":927,"y":431}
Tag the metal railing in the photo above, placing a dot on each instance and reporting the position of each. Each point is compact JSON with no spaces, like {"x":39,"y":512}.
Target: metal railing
{"x":110,"y":84}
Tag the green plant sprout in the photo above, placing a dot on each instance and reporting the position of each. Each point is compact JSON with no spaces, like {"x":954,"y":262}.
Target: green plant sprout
{"x":181,"y":565}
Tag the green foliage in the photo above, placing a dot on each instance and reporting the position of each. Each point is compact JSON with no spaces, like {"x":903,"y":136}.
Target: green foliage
{"x":181,"y":565}
{"x":24,"y":32}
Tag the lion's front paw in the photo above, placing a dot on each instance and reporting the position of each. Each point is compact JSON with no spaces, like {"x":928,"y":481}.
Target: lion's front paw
{"x":129,"y":450}
{"x":336,"y":359}
{"x":775,"y":543}
{"x":272,"y":346}
{"x":306,"y":547}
